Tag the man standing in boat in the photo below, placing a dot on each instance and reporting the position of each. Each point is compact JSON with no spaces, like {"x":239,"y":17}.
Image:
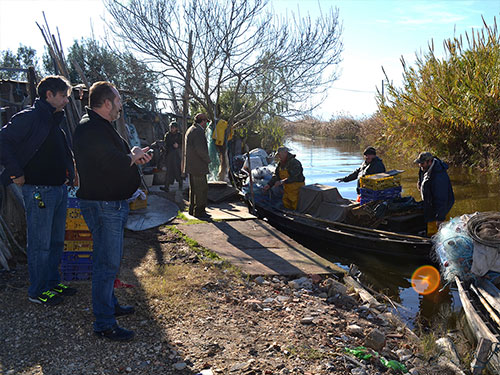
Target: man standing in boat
{"x":435,"y":188}
{"x":288,"y":174}
{"x":372,"y":165}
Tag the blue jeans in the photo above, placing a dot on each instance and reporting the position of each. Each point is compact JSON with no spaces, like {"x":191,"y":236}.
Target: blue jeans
{"x":46,"y":223}
{"x":106,"y":220}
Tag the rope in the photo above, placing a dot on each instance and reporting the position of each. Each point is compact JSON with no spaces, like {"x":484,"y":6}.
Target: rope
{"x":483,"y":226}
{"x":482,"y":364}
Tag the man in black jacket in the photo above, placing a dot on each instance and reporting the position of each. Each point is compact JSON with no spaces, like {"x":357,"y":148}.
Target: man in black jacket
{"x":372,"y":165}
{"x":435,"y":188}
{"x":108,"y":177}
{"x":35,"y":153}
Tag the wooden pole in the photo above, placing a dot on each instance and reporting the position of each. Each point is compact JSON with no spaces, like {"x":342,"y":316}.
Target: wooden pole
{"x":185,"y":98}
{"x":482,"y":351}
{"x":32,"y":84}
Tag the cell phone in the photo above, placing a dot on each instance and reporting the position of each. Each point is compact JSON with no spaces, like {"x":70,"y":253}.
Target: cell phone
{"x":150,"y":151}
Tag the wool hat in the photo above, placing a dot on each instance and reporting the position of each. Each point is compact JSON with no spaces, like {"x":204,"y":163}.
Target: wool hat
{"x":422,"y":157}
{"x":370,"y":151}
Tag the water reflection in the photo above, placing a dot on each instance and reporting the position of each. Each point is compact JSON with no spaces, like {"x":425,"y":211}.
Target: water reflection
{"x":324,"y":160}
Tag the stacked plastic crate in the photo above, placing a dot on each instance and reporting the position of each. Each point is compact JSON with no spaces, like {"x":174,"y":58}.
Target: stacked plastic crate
{"x":76,"y":262}
{"x":380,"y":186}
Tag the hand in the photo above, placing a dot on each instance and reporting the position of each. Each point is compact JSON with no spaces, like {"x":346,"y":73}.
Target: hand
{"x":19,"y":181}
{"x":175,"y":145}
{"x":340,"y":179}
{"x":139,"y":155}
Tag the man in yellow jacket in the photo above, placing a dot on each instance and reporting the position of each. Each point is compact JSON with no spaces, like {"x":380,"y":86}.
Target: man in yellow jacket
{"x":221,"y":135}
{"x":289,"y":174}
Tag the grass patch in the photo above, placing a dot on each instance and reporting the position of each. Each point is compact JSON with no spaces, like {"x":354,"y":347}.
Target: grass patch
{"x":205,"y":254}
{"x":178,"y":286}
{"x":306,"y":353}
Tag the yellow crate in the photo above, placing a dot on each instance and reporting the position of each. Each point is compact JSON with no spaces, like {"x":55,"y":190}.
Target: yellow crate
{"x":78,"y":245}
{"x":380,"y":181}
{"x":138,"y":203}
{"x":74,"y":220}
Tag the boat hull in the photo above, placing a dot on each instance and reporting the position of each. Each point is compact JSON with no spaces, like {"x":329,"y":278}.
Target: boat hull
{"x":350,"y":237}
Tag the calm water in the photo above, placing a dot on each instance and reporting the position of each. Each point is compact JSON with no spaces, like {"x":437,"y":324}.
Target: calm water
{"x":325,"y":160}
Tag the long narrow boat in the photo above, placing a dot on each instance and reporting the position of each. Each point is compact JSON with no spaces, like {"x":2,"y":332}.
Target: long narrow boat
{"x":481,"y":304}
{"x":338,"y":234}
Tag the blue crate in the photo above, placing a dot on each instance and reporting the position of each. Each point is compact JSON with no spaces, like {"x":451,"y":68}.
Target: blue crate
{"x":76,"y":265}
{"x":73,"y":202}
{"x":368,"y":195}
{"x":72,"y":276}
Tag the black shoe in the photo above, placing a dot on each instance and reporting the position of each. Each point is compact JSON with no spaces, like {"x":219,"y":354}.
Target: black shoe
{"x":116,"y":333}
{"x":47,"y":298}
{"x":63,"y":290}
{"x":203,"y":216}
{"x":124,"y":310}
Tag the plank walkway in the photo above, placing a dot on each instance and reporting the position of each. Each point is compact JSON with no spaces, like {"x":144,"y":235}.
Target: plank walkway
{"x":257,"y":248}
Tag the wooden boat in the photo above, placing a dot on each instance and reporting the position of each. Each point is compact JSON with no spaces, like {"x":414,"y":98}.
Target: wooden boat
{"x":344,"y":235}
{"x":481,"y":304}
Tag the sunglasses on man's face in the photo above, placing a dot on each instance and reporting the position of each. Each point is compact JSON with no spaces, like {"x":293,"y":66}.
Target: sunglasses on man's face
{"x":38,"y":198}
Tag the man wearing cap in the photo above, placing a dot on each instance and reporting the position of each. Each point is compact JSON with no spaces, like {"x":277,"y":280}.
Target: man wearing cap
{"x":372,"y":165}
{"x":289,"y":174}
{"x":435,"y":189}
{"x":196,"y":165}
{"x":172,"y":142}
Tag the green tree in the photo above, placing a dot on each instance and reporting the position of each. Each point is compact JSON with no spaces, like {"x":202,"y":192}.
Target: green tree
{"x":236,"y":45}
{"x":99,"y":62}
{"x":22,"y":59}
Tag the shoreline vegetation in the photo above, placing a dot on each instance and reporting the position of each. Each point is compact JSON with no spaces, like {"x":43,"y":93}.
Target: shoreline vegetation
{"x":449,"y":106}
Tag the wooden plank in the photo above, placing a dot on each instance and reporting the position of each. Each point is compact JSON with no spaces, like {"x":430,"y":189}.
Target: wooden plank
{"x":257,"y":248}
{"x":483,"y":350}
{"x":490,"y":292}
{"x":478,"y":327}
{"x":486,"y":305}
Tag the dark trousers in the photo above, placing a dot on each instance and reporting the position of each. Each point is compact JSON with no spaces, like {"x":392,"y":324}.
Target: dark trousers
{"x":198,"y":191}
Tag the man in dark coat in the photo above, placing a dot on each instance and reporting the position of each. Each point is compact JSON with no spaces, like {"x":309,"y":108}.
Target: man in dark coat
{"x":436,"y":190}
{"x":172,"y":142}
{"x":196,"y":165}
{"x":35,"y":153}
{"x":372,"y":165}
{"x":108,"y":177}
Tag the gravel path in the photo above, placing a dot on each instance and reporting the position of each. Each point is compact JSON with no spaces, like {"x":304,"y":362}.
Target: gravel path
{"x":197,"y":315}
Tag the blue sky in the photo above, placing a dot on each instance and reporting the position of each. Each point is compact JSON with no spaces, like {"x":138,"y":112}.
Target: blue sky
{"x":376,"y":33}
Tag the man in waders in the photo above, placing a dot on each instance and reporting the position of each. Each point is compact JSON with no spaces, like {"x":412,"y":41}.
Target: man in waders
{"x":371,"y":165}
{"x":435,"y":189}
{"x":289,"y":174}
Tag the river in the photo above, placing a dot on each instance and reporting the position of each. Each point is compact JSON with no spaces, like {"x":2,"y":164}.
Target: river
{"x":325,"y":160}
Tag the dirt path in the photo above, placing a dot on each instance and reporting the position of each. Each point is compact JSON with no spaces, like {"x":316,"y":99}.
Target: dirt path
{"x":194,"y":314}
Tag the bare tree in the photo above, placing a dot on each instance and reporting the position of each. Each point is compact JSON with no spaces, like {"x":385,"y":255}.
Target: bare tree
{"x":237,"y":45}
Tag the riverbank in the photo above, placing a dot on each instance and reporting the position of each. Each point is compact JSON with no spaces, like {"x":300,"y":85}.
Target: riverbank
{"x":194,"y":312}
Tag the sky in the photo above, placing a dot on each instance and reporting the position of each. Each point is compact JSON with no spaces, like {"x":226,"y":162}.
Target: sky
{"x":376,"y":34}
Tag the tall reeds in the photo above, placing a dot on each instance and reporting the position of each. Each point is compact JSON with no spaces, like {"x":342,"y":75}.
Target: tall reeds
{"x":451,"y":105}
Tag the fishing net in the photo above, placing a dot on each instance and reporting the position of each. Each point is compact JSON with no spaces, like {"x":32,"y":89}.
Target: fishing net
{"x":454,"y":248}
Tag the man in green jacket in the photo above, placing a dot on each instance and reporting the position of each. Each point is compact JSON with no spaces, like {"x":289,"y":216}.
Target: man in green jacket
{"x":196,"y":165}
